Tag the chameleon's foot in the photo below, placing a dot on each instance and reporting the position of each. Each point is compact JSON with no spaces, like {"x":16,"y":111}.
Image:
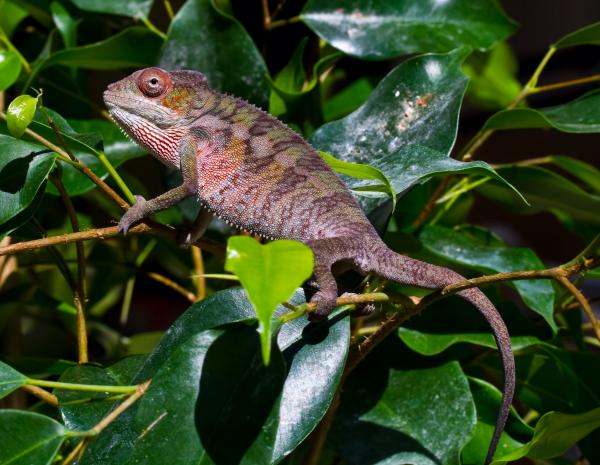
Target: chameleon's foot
{"x":325,"y":304}
{"x":133,"y":215}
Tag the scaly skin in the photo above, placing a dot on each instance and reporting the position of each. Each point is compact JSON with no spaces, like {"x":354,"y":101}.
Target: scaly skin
{"x":257,"y":174}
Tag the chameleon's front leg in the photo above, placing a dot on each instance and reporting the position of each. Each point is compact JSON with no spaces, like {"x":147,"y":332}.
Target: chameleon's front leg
{"x":144,"y":208}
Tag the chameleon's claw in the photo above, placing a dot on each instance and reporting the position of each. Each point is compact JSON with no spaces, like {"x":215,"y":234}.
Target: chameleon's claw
{"x":325,"y":304}
{"x":133,"y":215}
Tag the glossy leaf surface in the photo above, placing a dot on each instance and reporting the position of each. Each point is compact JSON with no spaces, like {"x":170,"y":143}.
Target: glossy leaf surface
{"x":133,"y":8}
{"x":10,"y":67}
{"x":379,"y":30}
{"x":10,"y":379}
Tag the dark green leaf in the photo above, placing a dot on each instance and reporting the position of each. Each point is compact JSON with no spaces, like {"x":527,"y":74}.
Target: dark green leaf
{"x":135,"y":47}
{"x":416,"y":416}
{"x":20,"y":113}
{"x":10,"y":379}
{"x":586,"y":35}
{"x":544,"y":190}
{"x":39,"y":9}
{"x":28,"y":438}
{"x":133,"y":8}
{"x":347,"y":100}
{"x":10,"y":67}
{"x":81,"y":411}
{"x":579,"y":116}
{"x":24,"y":167}
{"x":493,"y":84}
{"x":433,"y":344}
{"x":407,"y":127}
{"x":383,"y":30}
{"x":270,"y":274}
{"x":227,"y":55}
{"x":487,"y":402}
{"x":65,"y":23}
{"x":301,"y":402}
{"x":554,"y":433}
{"x":587,"y":173}
{"x":471,"y":251}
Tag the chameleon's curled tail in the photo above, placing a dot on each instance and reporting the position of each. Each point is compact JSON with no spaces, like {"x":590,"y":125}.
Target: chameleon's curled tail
{"x":408,"y":271}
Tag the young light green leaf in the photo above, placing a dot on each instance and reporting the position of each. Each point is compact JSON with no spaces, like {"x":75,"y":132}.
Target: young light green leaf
{"x":132,"y":8}
{"x":20,"y":113}
{"x":270,"y":274}
{"x":554,"y":433}
{"x":582,"y":115}
{"x":10,"y":67}
{"x":588,"y":174}
{"x":381,"y":30}
{"x":10,"y":379}
{"x":586,"y":35}
{"x":10,"y":17}
{"x":29,"y":438}
{"x":466,"y":249}
{"x":358,"y":171}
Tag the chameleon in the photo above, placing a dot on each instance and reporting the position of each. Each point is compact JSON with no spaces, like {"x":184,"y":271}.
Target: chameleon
{"x":250,"y":169}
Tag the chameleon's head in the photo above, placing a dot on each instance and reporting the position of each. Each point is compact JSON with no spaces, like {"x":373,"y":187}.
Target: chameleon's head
{"x":151,"y":102}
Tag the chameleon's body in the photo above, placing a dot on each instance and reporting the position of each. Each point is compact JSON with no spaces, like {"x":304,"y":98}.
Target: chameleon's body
{"x":257,"y":174}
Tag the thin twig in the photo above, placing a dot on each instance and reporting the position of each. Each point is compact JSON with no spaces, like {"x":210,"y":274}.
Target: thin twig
{"x":190,"y":296}
{"x":76,"y":452}
{"x":585,"y":305}
{"x":199,"y":278}
{"x":112,"y":416}
{"x":42,"y":394}
{"x":563,"y":84}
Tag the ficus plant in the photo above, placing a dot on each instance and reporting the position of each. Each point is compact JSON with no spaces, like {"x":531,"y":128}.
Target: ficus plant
{"x":130,"y":349}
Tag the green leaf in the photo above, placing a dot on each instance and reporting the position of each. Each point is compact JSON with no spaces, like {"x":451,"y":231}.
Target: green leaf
{"x":544,"y":190}
{"x":419,"y":417}
{"x":135,"y":47}
{"x":20,"y":113}
{"x":10,"y":17}
{"x":29,"y":438}
{"x":586,"y":35}
{"x":10,"y":68}
{"x":487,"y":402}
{"x":227,"y":56}
{"x":582,"y":115}
{"x":407,"y":127}
{"x":554,"y":433}
{"x":10,"y":379}
{"x":381,"y":30}
{"x":493,"y":84}
{"x":587,"y":173}
{"x":270,"y":274}
{"x":358,"y":171}
{"x":81,"y":411}
{"x":433,"y":344}
{"x":86,"y":138}
{"x":191,"y":359}
{"x":466,"y":249}
{"x":347,"y":100}
{"x":65,"y":23}
{"x":24,"y":168}
{"x":132,"y":8}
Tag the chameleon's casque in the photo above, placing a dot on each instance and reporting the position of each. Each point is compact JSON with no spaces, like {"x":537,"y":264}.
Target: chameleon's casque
{"x":257,"y":174}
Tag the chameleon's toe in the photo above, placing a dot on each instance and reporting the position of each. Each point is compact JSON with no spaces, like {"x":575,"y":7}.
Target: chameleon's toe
{"x":325,"y":304}
{"x":133,"y":215}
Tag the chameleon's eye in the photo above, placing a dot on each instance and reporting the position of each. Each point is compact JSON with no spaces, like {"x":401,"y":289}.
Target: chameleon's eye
{"x":153,"y":82}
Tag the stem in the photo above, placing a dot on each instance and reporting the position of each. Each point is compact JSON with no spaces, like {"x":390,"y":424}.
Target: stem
{"x":199,"y":278}
{"x":77,"y":450}
{"x":284,"y":22}
{"x":127,"y":296}
{"x":585,"y":305}
{"x":42,"y":394}
{"x":563,"y":84}
{"x":190,"y":296}
{"x":82,"y":387}
{"x":80,"y":294}
{"x":152,"y":27}
{"x":117,"y":178}
{"x":169,"y":9}
{"x":102,"y":234}
{"x":139,"y":392}
{"x":266,"y":16}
